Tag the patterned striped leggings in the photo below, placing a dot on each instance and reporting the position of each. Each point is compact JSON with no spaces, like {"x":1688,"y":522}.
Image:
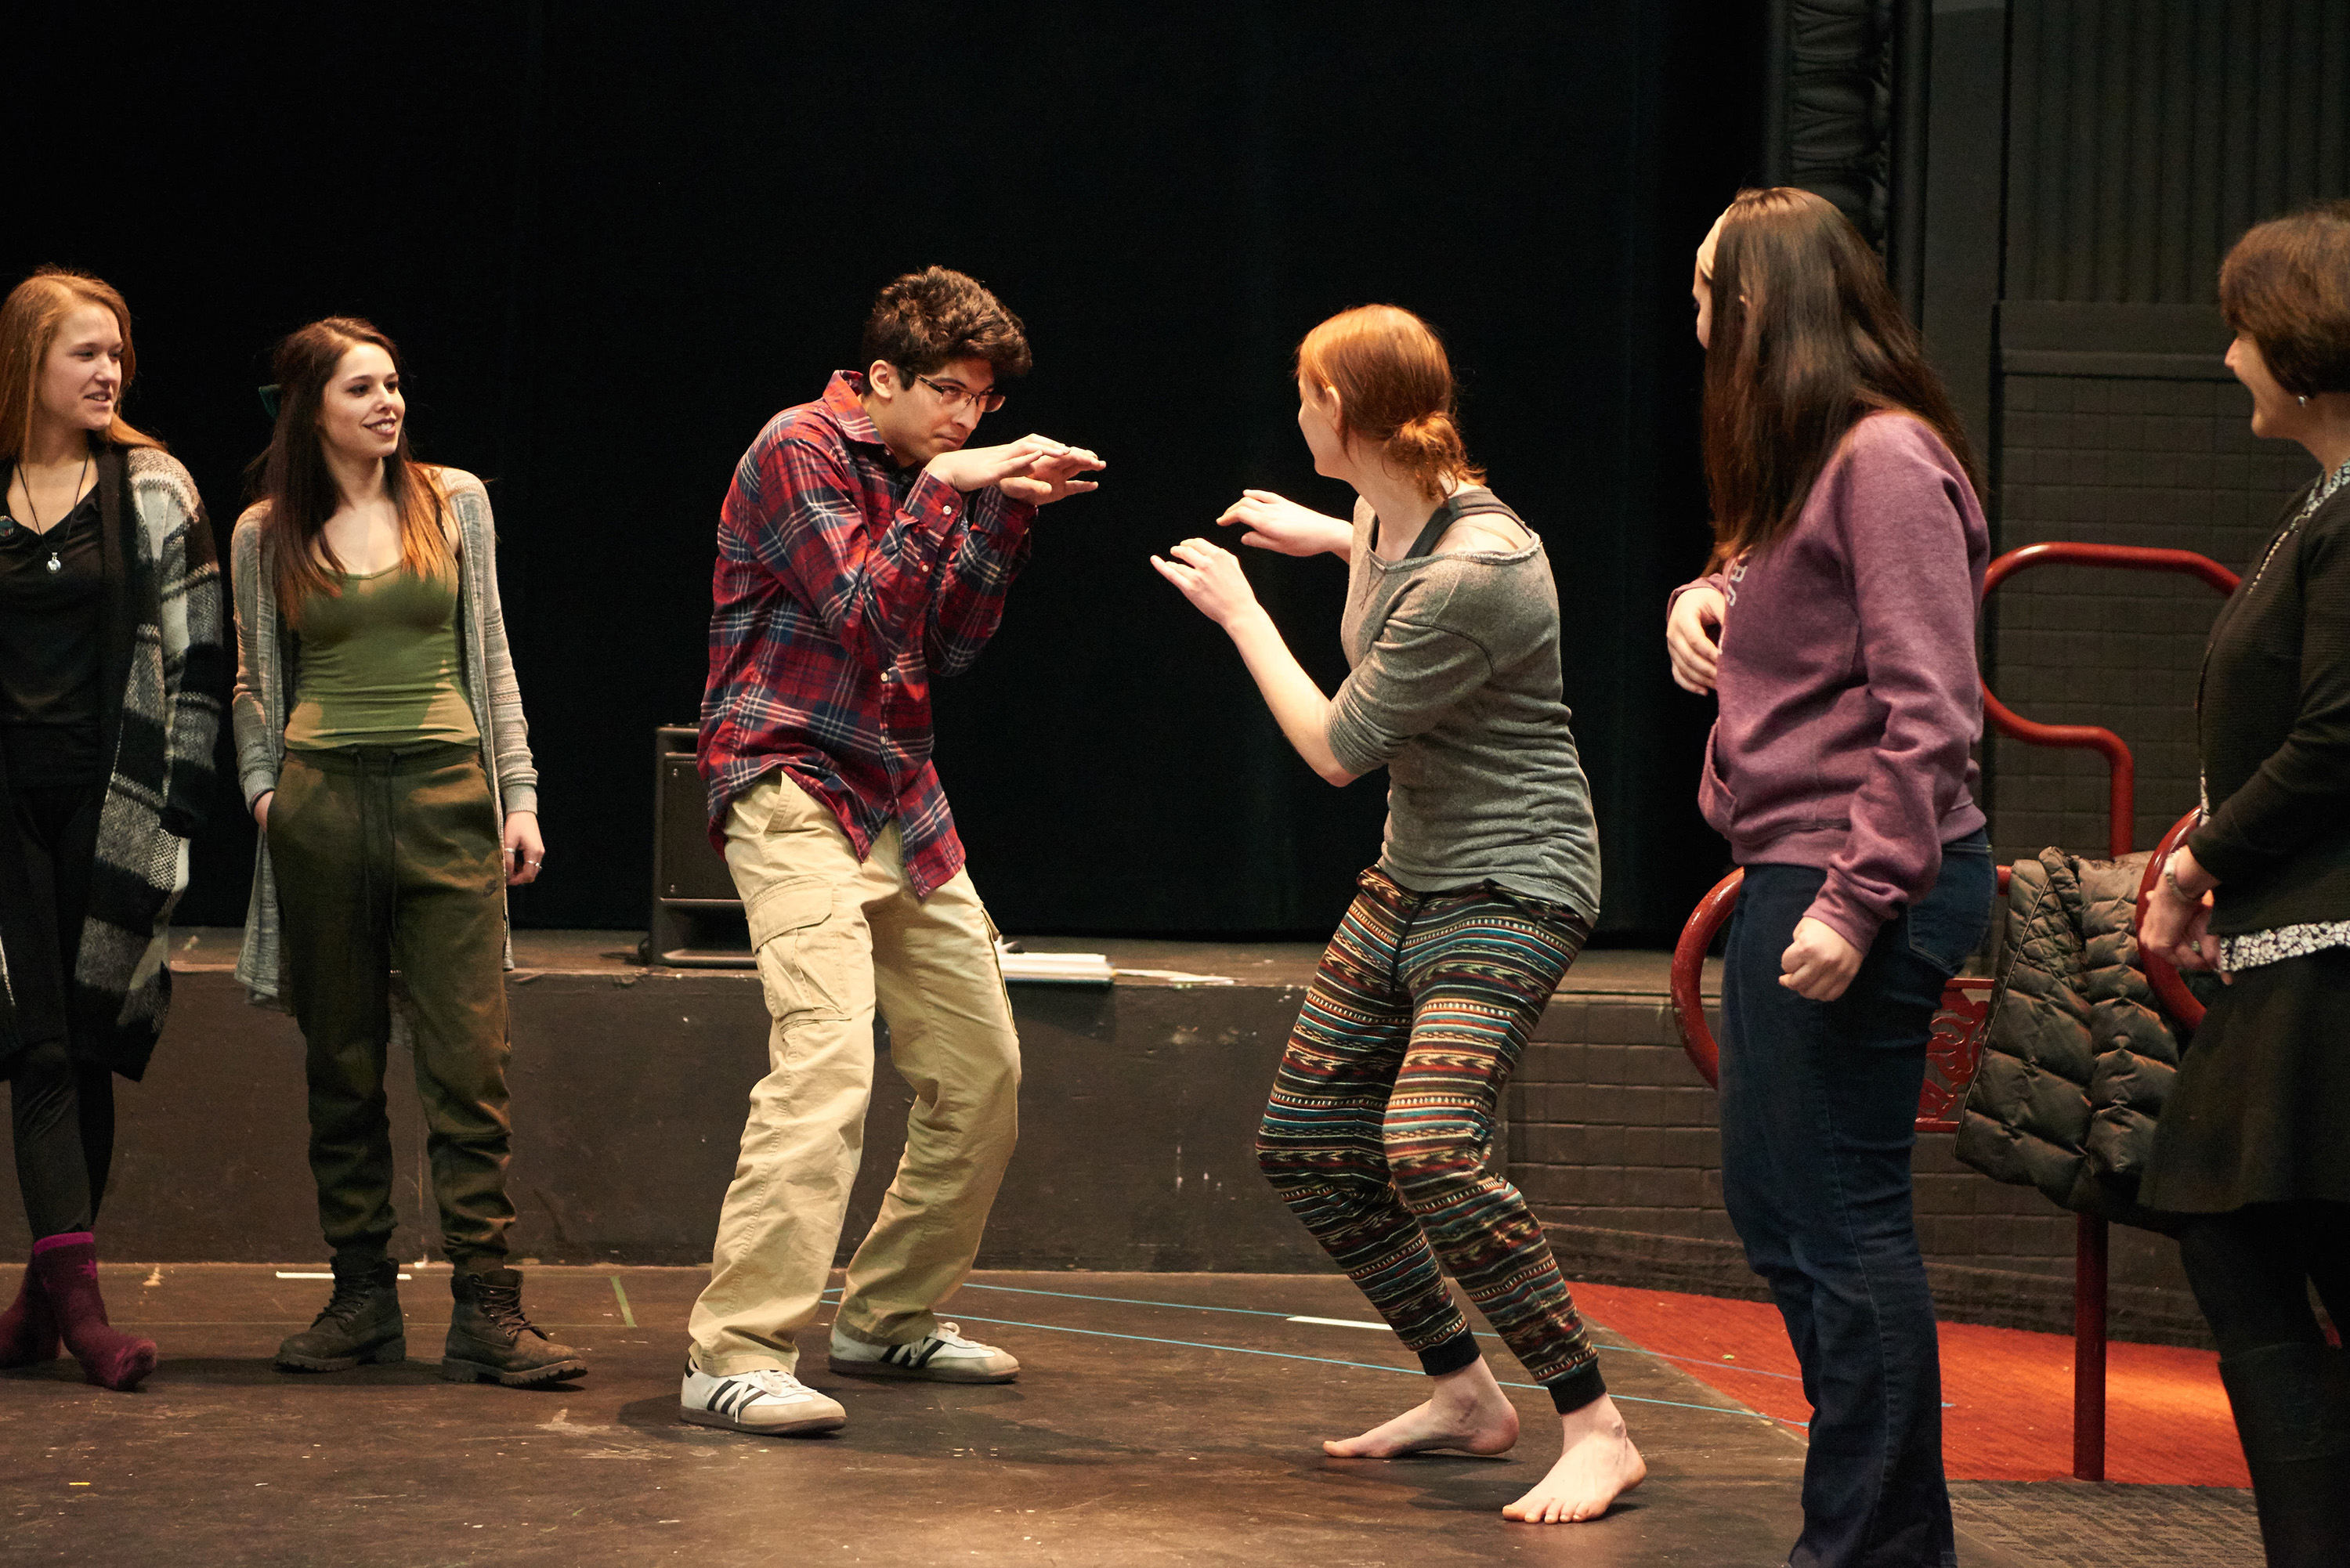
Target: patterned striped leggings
{"x":1380,"y":1116}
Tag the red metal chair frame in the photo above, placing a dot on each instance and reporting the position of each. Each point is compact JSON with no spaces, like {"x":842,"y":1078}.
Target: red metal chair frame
{"x":1955,"y":1050}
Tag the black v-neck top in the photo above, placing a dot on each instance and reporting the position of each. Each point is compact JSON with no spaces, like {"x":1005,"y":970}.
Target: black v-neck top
{"x":51,"y":618}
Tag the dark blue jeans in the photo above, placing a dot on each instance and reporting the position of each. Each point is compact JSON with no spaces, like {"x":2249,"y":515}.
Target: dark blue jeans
{"x":1819,"y":1107}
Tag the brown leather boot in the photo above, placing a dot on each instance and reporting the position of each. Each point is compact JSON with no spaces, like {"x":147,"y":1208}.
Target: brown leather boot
{"x":490,"y":1337}
{"x":361,"y":1322}
{"x":65,"y":1267}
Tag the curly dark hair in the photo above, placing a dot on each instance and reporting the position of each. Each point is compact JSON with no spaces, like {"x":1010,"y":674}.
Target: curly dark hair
{"x":926,"y":318}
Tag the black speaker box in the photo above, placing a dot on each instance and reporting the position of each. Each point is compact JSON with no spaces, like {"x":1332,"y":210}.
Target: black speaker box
{"x":697,"y":921}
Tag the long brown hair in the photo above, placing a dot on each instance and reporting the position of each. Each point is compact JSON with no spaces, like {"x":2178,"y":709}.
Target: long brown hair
{"x":29,"y":320}
{"x":300,"y":489}
{"x":1807,"y":340}
{"x":1395,"y":387}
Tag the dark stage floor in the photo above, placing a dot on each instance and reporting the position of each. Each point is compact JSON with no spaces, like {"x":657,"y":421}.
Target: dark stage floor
{"x":1161,"y":1418}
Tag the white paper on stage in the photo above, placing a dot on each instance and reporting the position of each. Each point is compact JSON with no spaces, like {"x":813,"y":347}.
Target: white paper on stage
{"x":1084,"y":969}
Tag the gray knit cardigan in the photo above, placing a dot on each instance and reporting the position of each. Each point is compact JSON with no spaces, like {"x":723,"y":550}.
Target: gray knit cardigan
{"x":164,"y":661}
{"x":267,"y":652}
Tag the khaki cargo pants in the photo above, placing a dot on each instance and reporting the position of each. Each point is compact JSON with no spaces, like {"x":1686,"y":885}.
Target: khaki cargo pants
{"x":835,"y":936}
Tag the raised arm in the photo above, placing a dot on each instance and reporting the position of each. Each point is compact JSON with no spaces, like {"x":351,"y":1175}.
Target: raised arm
{"x":1008,"y":485}
{"x":981,"y":559}
{"x":1413,"y":675}
{"x":793,"y":507}
{"x":1211,"y":579}
{"x":1273,"y":523}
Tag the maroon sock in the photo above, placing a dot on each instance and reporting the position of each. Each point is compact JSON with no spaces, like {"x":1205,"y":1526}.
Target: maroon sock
{"x":66,"y":1268}
{"x":28,"y":1330}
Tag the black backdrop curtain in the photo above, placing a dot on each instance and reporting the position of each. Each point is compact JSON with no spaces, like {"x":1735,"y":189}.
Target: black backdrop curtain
{"x":612,"y":240}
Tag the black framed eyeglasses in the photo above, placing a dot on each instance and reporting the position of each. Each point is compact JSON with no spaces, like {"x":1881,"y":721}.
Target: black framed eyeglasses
{"x":954,"y":394}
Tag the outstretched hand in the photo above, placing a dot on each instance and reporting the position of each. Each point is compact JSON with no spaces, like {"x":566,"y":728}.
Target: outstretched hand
{"x":973,"y":467}
{"x":1034,"y":468}
{"x":1211,"y":578}
{"x":1053,"y":476}
{"x":1274,"y":523}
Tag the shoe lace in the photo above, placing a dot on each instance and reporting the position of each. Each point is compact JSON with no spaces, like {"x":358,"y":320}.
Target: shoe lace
{"x":349,"y":1302}
{"x":502,"y":1304}
{"x":775,"y":1382}
{"x":952,"y":1333}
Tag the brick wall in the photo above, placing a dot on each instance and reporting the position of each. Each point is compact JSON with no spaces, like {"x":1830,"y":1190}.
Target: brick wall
{"x":2114,"y":461}
{"x":1613,"y":1139}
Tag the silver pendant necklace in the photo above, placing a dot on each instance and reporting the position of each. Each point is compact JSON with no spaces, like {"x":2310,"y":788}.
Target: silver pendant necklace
{"x":55,"y":562}
{"x":2322,"y":493}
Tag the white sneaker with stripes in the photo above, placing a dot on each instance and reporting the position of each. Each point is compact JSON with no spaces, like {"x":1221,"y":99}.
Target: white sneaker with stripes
{"x":945,"y":1356}
{"x":769,"y":1402}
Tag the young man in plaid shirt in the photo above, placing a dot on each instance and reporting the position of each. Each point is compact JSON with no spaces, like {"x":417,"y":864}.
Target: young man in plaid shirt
{"x":863,"y":548}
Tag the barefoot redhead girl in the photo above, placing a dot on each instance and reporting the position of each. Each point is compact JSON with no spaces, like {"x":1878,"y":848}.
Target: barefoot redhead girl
{"x":1385,"y":1104}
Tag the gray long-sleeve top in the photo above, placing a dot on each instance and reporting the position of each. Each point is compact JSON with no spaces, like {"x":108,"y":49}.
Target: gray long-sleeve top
{"x":1456,"y":690}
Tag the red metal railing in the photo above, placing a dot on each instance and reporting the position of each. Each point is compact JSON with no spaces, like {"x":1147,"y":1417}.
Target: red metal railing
{"x":2122,"y":784}
{"x":1955,"y":1050}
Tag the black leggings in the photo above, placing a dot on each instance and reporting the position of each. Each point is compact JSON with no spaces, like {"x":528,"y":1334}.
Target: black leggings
{"x":63,"y":1118}
{"x":61,"y":1111}
{"x":2251,"y":1269}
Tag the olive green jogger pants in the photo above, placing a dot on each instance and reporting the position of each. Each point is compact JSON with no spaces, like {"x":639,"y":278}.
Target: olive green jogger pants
{"x":388,"y":857}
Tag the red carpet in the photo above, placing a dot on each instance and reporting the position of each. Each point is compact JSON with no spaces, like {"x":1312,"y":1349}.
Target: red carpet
{"x":2009,"y":1392}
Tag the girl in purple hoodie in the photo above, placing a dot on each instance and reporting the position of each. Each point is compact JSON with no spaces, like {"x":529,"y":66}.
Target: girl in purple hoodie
{"x":1837,"y":628}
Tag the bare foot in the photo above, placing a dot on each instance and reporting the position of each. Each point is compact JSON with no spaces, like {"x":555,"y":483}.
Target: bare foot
{"x":1597,"y":1464}
{"x":1468,"y":1412}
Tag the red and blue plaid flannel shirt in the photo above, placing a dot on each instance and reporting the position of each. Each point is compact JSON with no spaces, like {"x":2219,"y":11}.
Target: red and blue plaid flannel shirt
{"x":844,"y":583}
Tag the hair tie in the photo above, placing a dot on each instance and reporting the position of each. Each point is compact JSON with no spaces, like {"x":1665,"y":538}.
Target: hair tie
{"x":269,"y":401}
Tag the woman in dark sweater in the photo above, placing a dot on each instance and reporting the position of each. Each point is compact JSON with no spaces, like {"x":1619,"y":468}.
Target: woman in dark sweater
{"x":1839,"y":630}
{"x":2255,"y":1139}
{"x":110,"y":676}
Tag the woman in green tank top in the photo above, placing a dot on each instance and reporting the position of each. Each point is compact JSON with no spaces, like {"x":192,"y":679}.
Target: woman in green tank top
{"x":379,"y":663}
{"x":382,"y":748}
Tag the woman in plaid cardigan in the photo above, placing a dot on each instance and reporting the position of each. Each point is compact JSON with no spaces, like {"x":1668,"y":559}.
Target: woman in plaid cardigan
{"x":111,"y":667}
